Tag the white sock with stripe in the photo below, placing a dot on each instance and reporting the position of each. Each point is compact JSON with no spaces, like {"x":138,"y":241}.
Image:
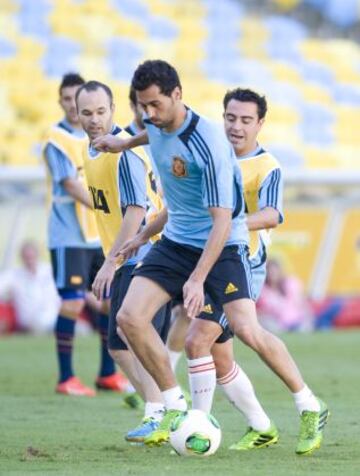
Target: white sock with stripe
{"x":306,"y":400}
{"x":202,"y":380}
{"x":174,"y":399}
{"x":154,"y":410}
{"x":241,"y":394}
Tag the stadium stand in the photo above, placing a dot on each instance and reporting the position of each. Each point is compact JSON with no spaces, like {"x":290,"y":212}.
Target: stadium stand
{"x":313,"y":85}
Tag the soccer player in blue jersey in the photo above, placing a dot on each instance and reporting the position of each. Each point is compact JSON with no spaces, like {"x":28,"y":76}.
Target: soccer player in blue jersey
{"x":202,"y":188}
{"x":161,"y":100}
{"x":73,"y":242}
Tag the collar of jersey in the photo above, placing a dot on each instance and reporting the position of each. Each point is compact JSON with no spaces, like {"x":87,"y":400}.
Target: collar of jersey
{"x":93,"y":152}
{"x":258,"y":150}
{"x":68,"y":127}
{"x":183,"y":126}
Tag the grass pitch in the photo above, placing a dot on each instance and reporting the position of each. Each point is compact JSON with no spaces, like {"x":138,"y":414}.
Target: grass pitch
{"x":44,"y":433}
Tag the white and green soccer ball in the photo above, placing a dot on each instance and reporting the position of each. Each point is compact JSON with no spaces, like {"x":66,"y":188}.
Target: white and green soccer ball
{"x":195,"y":433}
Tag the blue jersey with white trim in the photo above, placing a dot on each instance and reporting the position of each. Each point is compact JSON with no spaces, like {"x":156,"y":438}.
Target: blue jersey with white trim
{"x":198,"y":171}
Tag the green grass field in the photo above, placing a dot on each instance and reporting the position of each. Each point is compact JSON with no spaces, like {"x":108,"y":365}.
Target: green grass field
{"x":44,"y":433}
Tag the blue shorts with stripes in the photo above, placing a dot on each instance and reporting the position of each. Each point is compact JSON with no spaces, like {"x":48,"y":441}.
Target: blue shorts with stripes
{"x":75,"y":269}
{"x":170,"y":264}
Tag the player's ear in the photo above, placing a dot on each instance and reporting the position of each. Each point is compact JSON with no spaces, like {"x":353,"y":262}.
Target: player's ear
{"x":112,"y":107}
{"x":177,"y":93}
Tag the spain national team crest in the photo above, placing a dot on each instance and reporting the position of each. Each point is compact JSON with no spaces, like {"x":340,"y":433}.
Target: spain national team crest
{"x":179,"y":167}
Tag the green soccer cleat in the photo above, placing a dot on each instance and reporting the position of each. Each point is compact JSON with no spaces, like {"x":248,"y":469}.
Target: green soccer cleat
{"x":311,"y":429}
{"x":254,"y":439}
{"x":162,"y":434}
{"x":133,"y":400}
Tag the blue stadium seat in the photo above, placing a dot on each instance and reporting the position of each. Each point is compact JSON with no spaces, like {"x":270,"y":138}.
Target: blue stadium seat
{"x":123,"y":57}
{"x":7,"y":48}
{"x":132,"y":8}
{"x":162,"y":28}
{"x":64,"y":48}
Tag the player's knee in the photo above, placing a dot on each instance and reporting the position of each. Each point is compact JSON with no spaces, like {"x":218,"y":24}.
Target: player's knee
{"x":248,"y":335}
{"x":196,"y":345}
{"x":126,"y":321}
{"x":72,"y":307}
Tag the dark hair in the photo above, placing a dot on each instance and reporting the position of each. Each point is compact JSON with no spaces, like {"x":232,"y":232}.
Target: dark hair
{"x":157,"y":72}
{"x":247,"y":95}
{"x":132,"y":96}
{"x":94,"y":86}
{"x":71,"y":79}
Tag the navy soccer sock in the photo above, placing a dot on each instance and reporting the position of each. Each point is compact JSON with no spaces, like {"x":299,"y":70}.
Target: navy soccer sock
{"x":64,"y":333}
{"x":107,"y":365}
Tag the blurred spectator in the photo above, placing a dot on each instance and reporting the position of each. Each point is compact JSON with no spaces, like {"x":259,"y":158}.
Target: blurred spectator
{"x":31,"y":291}
{"x":282,"y":305}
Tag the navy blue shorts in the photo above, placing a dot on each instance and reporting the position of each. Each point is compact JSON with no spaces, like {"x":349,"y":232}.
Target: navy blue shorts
{"x":119,"y":288}
{"x":170,"y":264}
{"x":212,"y":312}
{"x":76,"y":268}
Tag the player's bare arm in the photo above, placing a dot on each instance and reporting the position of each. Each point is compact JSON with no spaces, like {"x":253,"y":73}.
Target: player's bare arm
{"x":193,"y":289}
{"x":263,"y":219}
{"x":153,"y":228}
{"x":76,"y":190}
{"x":110,"y":143}
{"x":132,"y":221}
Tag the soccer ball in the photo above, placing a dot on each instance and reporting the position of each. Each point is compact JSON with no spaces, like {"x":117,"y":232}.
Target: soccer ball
{"x":195,"y":433}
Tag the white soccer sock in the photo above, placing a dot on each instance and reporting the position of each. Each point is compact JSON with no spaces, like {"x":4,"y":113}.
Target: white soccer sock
{"x":174,"y":399}
{"x":174,"y":358}
{"x":202,"y":380}
{"x":241,"y":394}
{"x":306,"y":400}
{"x":154,"y":410}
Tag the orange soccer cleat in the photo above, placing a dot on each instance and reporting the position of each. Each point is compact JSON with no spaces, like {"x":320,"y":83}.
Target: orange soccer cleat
{"x":73,"y":386}
{"x":115,"y":382}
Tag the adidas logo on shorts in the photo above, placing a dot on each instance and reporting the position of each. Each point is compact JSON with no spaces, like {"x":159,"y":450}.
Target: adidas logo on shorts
{"x":231,"y":288}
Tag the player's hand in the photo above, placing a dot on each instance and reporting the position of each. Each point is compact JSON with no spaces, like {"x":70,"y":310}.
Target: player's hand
{"x":102,"y":283}
{"x":193,"y":292}
{"x":109,"y":143}
{"x":131,"y":247}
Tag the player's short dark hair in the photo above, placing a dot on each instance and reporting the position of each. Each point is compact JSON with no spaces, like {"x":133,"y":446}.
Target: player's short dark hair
{"x":94,"y":86}
{"x":132,"y":96}
{"x":71,"y":79}
{"x":247,"y":95}
{"x":157,"y":72}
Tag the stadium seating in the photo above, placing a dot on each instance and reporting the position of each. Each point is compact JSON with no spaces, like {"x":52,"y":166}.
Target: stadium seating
{"x":313,"y":86}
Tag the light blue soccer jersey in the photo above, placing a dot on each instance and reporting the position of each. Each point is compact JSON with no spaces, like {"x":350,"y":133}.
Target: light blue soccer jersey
{"x":131,"y":187}
{"x":133,"y":130}
{"x":63,"y":226}
{"x":198,"y":170}
{"x":270,"y":194}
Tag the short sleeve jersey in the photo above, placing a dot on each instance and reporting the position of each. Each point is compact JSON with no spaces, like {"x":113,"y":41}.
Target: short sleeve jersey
{"x":198,"y":170}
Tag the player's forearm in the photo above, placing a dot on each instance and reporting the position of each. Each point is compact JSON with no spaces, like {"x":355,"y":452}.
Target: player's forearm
{"x":133,"y":218}
{"x":263,"y":219}
{"x":138,"y":140}
{"x":214,"y":246}
{"x":76,"y":190}
{"x":156,"y":226}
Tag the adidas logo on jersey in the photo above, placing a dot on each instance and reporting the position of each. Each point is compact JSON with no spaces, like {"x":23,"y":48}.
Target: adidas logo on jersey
{"x":207,"y":309}
{"x":231,"y":288}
